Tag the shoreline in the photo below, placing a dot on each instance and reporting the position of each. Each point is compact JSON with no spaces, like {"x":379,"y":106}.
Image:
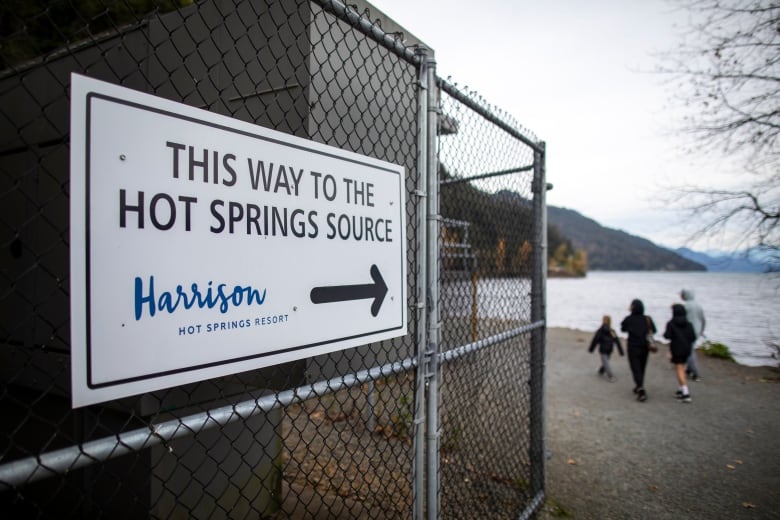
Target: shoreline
{"x":771,"y":361}
{"x":610,"y":456}
{"x":564,"y":334}
{"x":730,"y":302}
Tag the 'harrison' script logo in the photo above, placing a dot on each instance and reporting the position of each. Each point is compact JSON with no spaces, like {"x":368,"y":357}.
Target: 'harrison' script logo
{"x":220,"y":297}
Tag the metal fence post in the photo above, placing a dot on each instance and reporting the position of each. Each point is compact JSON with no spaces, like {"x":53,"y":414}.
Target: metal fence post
{"x":538,"y":338}
{"x":421,"y":307}
{"x":434,"y":320}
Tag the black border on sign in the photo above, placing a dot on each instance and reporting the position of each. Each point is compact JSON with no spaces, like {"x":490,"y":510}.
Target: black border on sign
{"x":90,"y":96}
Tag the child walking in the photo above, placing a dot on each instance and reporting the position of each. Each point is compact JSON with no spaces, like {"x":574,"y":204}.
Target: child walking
{"x":681,"y":336}
{"x":605,"y":338}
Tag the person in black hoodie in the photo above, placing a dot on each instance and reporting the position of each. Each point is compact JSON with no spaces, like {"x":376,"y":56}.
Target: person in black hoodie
{"x":605,"y":338}
{"x":638,"y":326}
{"x":681,"y":336}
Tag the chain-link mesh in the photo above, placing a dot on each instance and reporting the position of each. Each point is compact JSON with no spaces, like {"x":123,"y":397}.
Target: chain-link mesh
{"x":487,"y":241}
{"x":324,"y":437}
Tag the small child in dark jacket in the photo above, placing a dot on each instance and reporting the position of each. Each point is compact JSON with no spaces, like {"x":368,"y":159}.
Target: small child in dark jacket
{"x":605,"y":337}
{"x":681,"y":336}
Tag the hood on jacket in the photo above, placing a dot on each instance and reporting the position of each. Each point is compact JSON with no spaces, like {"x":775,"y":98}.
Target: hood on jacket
{"x":686,"y":294}
{"x":678,"y":313}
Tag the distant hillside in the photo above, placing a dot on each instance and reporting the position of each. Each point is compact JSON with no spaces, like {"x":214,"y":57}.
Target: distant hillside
{"x":613,"y":250}
{"x":501,"y":229}
{"x":499,"y":233}
{"x":724,"y":263}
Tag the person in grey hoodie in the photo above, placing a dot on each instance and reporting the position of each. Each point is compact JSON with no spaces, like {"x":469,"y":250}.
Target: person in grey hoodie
{"x":695,"y":315}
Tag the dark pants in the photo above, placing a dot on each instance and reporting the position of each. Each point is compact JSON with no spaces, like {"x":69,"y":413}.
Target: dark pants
{"x":637,"y":360}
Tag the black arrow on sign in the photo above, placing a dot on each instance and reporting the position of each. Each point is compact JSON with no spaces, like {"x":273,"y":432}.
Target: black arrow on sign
{"x":343,"y":293}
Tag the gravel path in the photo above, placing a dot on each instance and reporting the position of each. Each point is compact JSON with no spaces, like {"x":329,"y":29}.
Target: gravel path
{"x":613,"y":457}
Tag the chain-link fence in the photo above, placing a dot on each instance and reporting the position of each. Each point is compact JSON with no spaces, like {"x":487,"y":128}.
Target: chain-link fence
{"x":444,"y":421}
{"x":490,"y":266}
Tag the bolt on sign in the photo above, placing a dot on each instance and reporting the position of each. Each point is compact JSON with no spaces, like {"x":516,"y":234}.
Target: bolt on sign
{"x":203,"y":246}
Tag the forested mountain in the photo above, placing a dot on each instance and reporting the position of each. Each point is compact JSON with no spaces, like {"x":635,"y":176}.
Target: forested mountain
{"x":497,"y":231}
{"x":614,"y":250}
{"x":500,"y":231}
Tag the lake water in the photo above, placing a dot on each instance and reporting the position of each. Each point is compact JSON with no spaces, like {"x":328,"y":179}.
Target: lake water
{"x":742,"y":309}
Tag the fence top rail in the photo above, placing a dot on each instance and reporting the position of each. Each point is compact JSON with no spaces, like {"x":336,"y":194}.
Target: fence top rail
{"x":468,"y":100}
{"x":372,"y":30}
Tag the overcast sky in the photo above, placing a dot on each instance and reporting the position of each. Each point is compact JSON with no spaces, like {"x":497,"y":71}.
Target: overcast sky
{"x":580,"y":75}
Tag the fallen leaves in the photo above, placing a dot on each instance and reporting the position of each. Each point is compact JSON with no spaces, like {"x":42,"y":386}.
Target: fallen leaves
{"x":732,"y":466}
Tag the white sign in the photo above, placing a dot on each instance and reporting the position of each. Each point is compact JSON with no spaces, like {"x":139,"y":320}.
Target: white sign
{"x":203,"y":246}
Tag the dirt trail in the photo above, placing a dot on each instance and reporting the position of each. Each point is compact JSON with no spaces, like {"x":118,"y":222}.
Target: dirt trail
{"x":614,"y":457}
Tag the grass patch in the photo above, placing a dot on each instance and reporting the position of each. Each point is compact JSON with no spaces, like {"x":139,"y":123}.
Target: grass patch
{"x":716,"y":350}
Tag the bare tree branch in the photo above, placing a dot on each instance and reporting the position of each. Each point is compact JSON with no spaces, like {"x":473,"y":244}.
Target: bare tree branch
{"x":726,"y":73}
